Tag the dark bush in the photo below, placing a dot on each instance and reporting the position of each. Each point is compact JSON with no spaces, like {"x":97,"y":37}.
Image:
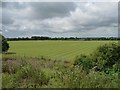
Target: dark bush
{"x":107,"y":55}
{"x":5,"y":45}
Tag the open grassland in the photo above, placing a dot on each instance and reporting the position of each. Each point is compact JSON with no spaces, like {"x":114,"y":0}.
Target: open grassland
{"x":62,"y":50}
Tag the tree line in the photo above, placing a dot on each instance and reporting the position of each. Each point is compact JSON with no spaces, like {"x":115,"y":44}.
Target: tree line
{"x":61,"y":38}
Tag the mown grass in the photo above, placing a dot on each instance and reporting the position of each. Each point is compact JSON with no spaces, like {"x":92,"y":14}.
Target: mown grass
{"x":60,"y":50}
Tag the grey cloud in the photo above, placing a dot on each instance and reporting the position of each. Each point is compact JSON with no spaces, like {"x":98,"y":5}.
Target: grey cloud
{"x":45,"y":10}
{"x":13,"y":5}
{"x":103,"y":14}
{"x":42,"y":10}
{"x":6,"y":18}
{"x":60,"y":19}
{"x":14,"y":11}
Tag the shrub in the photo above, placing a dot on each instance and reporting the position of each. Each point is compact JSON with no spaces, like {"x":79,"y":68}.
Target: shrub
{"x":107,"y":55}
{"x":105,"y":58}
{"x":85,"y":62}
{"x":5,"y":45}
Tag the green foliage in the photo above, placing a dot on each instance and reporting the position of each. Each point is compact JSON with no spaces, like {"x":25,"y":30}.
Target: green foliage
{"x":105,"y":58}
{"x":30,"y":75}
{"x":78,"y":78}
{"x":107,"y":55}
{"x":7,"y":81}
{"x":24,"y":76}
{"x":84,"y":61}
{"x":99,"y":80}
{"x":67,"y":78}
{"x":5,"y":45}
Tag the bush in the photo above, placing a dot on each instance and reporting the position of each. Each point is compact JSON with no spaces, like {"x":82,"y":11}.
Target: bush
{"x":85,"y":62}
{"x":105,"y":58}
{"x":5,"y":45}
{"x":107,"y":55}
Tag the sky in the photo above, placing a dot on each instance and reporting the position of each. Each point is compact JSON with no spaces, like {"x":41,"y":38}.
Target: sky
{"x":59,"y":19}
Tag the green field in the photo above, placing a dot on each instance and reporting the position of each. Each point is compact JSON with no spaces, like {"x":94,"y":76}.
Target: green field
{"x":63,"y":50}
{"x":27,"y":69}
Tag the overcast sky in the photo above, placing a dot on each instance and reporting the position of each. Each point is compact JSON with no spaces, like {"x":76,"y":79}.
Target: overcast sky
{"x":60,"y":19}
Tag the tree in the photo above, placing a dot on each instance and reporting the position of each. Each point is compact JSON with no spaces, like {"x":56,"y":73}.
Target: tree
{"x":5,"y":45}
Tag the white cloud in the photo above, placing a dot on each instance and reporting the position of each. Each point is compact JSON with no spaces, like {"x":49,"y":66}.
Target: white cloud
{"x":87,"y":19}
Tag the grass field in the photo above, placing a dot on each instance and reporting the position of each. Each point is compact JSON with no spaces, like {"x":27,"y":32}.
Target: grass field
{"x":27,"y":69}
{"x":54,"y":49}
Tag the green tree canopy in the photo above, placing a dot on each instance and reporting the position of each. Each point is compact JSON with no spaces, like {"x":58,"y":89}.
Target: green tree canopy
{"x":4,"y":46}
